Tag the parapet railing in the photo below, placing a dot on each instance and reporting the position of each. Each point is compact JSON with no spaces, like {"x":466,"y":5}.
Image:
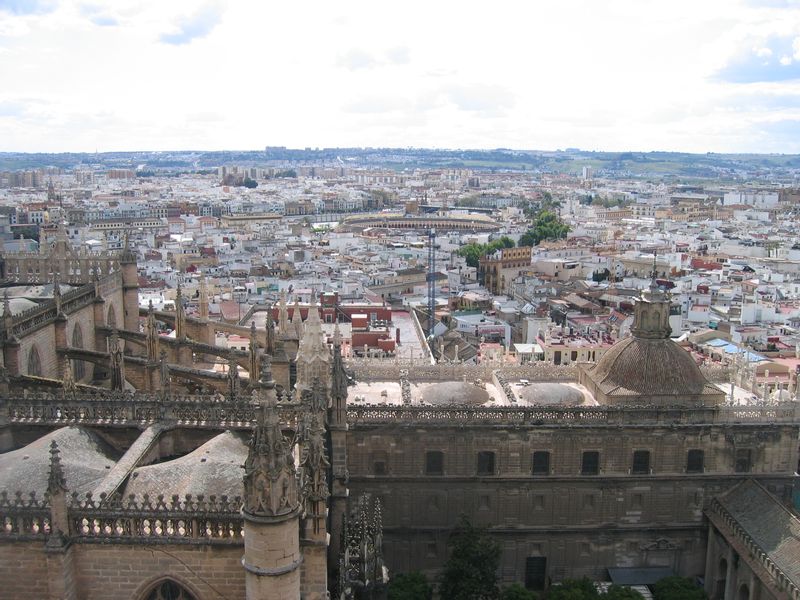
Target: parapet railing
{"x":788,"y":412}
{"x":194,"y":520}
{"x":140,"y":410}
{"x":199,"y":519}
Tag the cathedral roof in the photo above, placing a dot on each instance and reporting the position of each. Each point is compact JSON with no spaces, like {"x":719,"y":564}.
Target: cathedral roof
{"x":85,"y":460}
{"x":212,"y":469}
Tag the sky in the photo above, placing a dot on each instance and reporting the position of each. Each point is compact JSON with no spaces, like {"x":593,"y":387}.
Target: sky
{"x":613,"y":75}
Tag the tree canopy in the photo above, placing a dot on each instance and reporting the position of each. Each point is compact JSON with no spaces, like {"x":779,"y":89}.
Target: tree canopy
{"x":471,"y":571}
{"x":517,"y":592}
{"x":547,"y":226}
{"x":585,"y":589}
{"x":678,"y":588}
{"x":410,"y":586}
{"x":474,"y":252}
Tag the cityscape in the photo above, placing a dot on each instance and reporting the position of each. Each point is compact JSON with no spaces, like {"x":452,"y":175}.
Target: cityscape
{"x":506,"y":318}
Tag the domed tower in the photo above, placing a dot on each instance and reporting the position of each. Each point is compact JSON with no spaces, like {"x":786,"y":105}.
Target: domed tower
{"x":271,"y":509}
{"x":648,"y":368}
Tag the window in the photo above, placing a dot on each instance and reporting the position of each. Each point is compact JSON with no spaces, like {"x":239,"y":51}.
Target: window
{"x":169,"y":590}
{"x":434,"y":463}
{"x":590,"y":464}
{"x":485,"y":463}
{"x":34,"y":362}
{"x":541,"y":463}
{"x":78,"y":368}
{"x":379,"y":467}
{"x":743,"y":461}
{"x":694,"y":461}
{"x":641,"y":462}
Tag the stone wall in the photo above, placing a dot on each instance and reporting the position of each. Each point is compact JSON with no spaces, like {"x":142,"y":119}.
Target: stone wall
{"x":118,"y":572}
{"x":579,"y":523}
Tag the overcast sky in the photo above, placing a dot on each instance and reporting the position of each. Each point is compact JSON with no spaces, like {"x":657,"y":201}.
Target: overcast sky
{"x":695,"y":75}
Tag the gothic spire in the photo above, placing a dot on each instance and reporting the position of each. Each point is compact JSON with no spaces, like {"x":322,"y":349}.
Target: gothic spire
{"x":203,"y":301}
{"x":152,"y":335}
{"x":269,"y":327}
{"x":313,"y":357}
{"x":270,"y":483}
{"x":297,"y":319}
{"x":56,"y":482}
{"x":117,"y":363}
{"x":283,"y":315}
{"x":253,"y":350}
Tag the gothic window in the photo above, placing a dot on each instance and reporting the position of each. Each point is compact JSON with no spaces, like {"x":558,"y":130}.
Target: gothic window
{"x":694,"y":461}
{"x":169,"y":590}
{"x":485,"y":463}
{"x":78,"y":366}
{"x":541,"y":463}
{"x":743,"y":462}
{"x":434,"y":463}
{"x":641,"y":462}
{"x":34,"y":362}
{"x":590,"y":463}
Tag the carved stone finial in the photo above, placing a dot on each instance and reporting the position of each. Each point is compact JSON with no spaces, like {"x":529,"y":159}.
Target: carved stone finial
{"x":233,"y":378}
{"x":270,"y":482}
{"x":266,"y":372}
{"x":68,"y":380}
{"x":56,"y":482}
{"x":7,"y":316}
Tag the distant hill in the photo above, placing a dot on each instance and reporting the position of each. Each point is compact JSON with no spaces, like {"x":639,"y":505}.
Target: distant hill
{"x":649,"y":165}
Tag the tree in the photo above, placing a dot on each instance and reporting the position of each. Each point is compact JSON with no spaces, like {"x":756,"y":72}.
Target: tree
{"x":619,"y":592}
{"x":410,"y":586}
{"x":516,"y":592}
{"x":678,"y":588}
{"x":574,"y":589}
{"x":250,"y":183}
{"x":471,"y":571}
{"x":548,"y":226}
{"x":474,"y":252}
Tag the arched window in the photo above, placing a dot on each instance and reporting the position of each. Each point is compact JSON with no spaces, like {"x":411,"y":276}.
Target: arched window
{"x":78,"y":366}
{"x":111,"y":320}
{"x":744,"y":592}
{"x":722,"y":578}
{"x":169,"y":590}
{"x":34,"y":362}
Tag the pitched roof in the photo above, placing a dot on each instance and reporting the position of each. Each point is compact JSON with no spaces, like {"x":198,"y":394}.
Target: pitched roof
{"x":770,"y":525}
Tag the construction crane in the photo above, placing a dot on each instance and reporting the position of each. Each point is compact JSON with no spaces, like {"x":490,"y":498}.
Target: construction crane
{"x":431,"y":281}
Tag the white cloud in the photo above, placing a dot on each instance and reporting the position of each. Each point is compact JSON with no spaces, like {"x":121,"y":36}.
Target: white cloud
{"x":619,"y":74}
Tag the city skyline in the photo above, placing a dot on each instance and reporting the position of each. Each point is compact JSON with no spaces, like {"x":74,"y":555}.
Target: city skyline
{"x":719,"y":77}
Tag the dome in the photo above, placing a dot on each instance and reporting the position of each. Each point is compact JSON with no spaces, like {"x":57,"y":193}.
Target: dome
{"x":215,"y":468}
{"x":540,"y":394}
{"x":455,"y":392}
{"x":85,"y":458}
{"x":657,"y":371}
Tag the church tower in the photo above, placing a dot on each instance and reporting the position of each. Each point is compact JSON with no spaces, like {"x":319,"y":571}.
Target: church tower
{"x":271,"y":509}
